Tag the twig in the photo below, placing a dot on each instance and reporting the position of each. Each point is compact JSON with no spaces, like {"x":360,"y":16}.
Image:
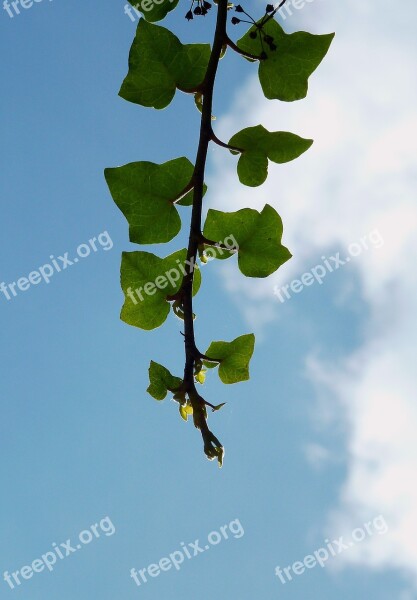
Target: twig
{"x":236,"y":48}
{"x":216,"y":140}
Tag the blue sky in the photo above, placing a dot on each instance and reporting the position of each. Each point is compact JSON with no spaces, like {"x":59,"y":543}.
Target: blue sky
{"x":321,"y":439}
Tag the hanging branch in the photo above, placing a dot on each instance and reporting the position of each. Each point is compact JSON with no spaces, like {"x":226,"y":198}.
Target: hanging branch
{"x":149,"y":194}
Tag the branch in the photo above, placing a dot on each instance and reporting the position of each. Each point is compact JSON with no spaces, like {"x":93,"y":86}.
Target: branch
{"x":206,"y":242}
{"x":236,"y":48}
{"x":184,"y":192}
{"x":216,"y":140}
{"x":212,"y":446}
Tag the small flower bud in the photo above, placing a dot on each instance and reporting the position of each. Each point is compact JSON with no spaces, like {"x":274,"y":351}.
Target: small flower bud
{"x":189,"y":15}
{"x":235,"y":20}
{"x":269,"y":8}
{"x":197,"y":10}
{"x":253,"y":34}
{"x":238,"y":8}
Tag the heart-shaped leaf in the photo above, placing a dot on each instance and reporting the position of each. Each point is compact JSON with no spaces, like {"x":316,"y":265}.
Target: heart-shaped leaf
{"x":234,"y":358}
{"x":259,"y":145}
{"x":159,"y":64}
{"x":161,"y":381}
{"x":145,"y":192}
{"x":147,"y":281}
{"x":258,"y":235}
{"x":284,"y":72}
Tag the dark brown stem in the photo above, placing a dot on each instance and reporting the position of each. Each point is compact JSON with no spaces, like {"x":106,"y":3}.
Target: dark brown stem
{"x":207,"y":242}
{"x":236,"y":48}
{"x":209,"y":358}
{"x":216,"y":140}
{"x":184,"y":192}
{"x":195,"y":90}
{"x":191,"y":352}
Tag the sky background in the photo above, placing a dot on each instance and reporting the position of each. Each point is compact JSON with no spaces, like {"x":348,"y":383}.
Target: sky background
{"x":322,"y":438}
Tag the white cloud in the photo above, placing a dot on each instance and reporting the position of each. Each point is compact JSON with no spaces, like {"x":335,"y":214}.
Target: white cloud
{"x":318,"y":456}
{"x":360,"y":175}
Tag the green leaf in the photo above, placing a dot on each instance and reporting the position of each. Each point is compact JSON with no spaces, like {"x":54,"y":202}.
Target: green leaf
{"x":234,"y":358}
{"x":259,"y":144}
{"x":220,"y":456}
{"x":159,"y":64}
{"x":218,"y":407}
{"x":185,"y":411}
{"x":258,"y":235}
{"x":161,"y":381}
{"x":200,"y":377}
{"x":145,"y":193}
{"x":154,"y":10}
{"x":146,"y":281}
{"x":284,"y":73}
{"x":198,"y":100}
